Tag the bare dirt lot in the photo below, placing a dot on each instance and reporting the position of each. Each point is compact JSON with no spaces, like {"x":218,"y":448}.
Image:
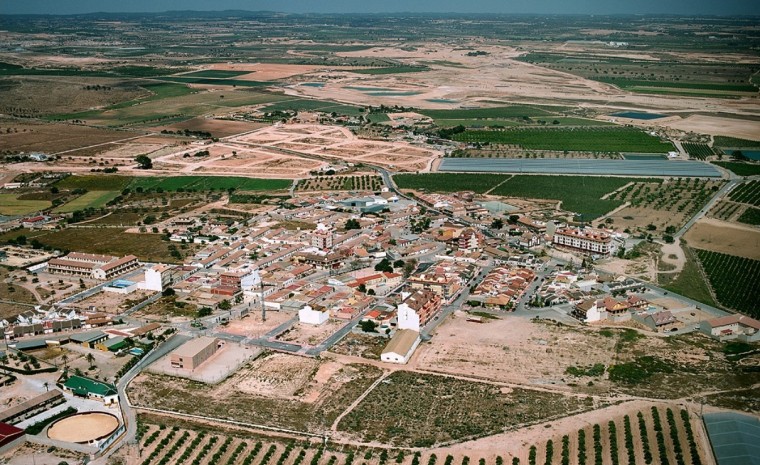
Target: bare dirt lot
{"x":744,"y":129}
{"x":111,"y":302}
{"x":53,"y":138}
{"x":265,"y":71}
{"x":253,"y":326}
{"x":339,"y":142}
{"x":311,"y":335}
{"x":724,"y":237}
{"x":217,"y":127}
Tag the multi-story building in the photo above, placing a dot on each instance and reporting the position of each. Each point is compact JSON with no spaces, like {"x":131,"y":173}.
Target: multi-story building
{"x":322,"y":237}
{"x":588,"y":241}
{"x":418,"y":308}
{"x":102,"y":267}
{"x":469,"y":240}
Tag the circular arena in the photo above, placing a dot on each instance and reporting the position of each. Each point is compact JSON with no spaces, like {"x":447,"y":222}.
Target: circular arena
{"x":83,"y":428}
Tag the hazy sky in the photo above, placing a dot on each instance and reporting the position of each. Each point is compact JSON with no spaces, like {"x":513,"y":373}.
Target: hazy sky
{"x":708,"y":7}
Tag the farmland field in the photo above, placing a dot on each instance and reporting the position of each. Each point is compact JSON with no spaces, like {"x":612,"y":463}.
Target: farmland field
{"x":112,"y":241}
{"x":574,"y":139}
{"x":734,"y":280}
{"x":748,"y":193}
{"x":449,"y":182}
{"x":742,"y":169}
{"x":365,"y":182}
{"x":93,"y":199}
{"x":390,"y":70}
{"x":733,"y":142}
{"x":297,"y":104}
{"x":429,"y":409}
{"x":94,"y":182}
{"x":221,"y":82}
{"x":657,"y":435}
{"x":750,"y":216}
{"x":580,"y":194}
{"x":202,"y":183}
{"x":698,"y":151}
{"x":516,"y":111}
{"x":214,"y":73}
{"x":689,"y":281}
{"x":12,"y":206}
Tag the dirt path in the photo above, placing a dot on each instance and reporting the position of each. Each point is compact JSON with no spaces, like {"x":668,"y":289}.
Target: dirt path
{"x":334,"y":426}
{"x":673,"y":249}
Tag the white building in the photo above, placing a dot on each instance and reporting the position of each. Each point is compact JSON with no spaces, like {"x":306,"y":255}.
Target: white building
{"x":590,"y":241}
{"x":322,"y":237}
{"x":401,"y":347}
{"x":157,"y":278}
{"x":408,"y":318}
{"x":309,"y":316}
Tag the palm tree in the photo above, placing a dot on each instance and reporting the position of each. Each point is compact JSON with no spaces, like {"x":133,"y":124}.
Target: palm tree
{"x":46,"y":384}
{"x":90,"y":359}
{"x":65,"y":360}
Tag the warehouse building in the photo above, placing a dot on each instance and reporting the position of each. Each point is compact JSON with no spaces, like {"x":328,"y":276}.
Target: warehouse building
{"x":401,"y":347}
{"x":191,"y":354}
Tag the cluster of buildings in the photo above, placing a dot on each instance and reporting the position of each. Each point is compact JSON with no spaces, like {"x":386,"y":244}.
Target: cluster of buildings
{"x":91,"y":266}
{"x":502,"y":287}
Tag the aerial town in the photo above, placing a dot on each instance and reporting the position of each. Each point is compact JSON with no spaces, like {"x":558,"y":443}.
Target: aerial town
{"x":244,"y":243}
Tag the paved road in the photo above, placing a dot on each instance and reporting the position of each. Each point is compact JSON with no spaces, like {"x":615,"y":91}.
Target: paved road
{"x":128,"y":414}
{"x":729,"y":186}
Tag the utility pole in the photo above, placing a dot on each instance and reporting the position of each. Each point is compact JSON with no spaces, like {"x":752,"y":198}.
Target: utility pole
{"x":263,"y":307}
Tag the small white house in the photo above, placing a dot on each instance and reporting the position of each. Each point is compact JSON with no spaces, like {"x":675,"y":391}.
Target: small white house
{"x":309,"y":316}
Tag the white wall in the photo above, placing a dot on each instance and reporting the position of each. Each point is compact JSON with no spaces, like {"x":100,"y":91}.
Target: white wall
{"x":408,"y":318}
{"x":309,"y":316}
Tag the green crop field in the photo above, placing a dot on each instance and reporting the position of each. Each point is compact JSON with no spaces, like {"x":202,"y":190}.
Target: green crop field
{"x":750,"y":216}
{"x":698,"y":151}
{"x":215,"y":73}
{"x":689,"y":281}
{"x":571,"y":139}
{"x":734,"y":280}
{"x":633,"y":84}
{"x":748,"y":193}
{"x":515,"y":111}
{"x":391,"y":70}
{"x":203,"y":183}
{"x":449,"y":182}
{"x":299,"y":104}
{"x":579,"y":194}
{"x":733,"y":142}
{"x":221,"y":82}
{"x":93,"y":199}
{"x":742,"y":169}
{"x":475,"y":123}
{"x":11,"y":205}
{"x":95,"y":182}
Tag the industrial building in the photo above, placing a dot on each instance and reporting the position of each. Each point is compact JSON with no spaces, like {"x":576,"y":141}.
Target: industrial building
{"x":401,"y":347}
{"x":191,"y":354}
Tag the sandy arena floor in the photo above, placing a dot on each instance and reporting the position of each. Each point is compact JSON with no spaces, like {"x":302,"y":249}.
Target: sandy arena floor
{"x":83,"y":428}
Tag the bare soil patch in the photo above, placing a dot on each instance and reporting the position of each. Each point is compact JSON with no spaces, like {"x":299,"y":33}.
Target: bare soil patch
{"x":724,"y":237}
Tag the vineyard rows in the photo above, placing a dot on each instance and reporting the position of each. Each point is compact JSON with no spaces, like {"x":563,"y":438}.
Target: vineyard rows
{"x":747,"y":193}
{"x":364,"y":183}
{"x":572,"y":139}
{"x":724,"y":210}
{"x":734,"y":280}
{"x":657,"y":436}
{"x":684,"y":196}
{"x":698,"y":151}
